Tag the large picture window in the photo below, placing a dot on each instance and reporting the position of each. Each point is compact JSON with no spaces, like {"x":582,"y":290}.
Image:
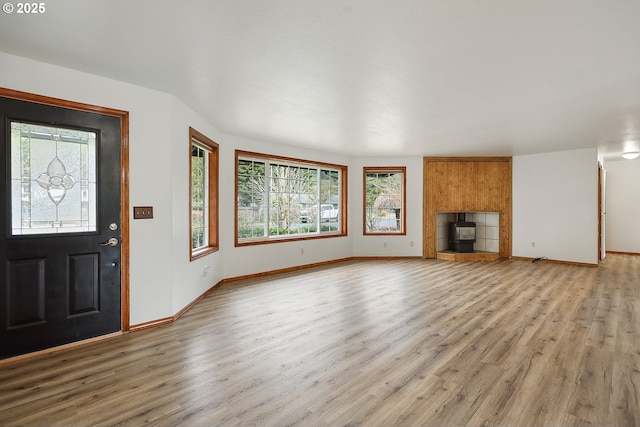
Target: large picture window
{"x":280,"y":198}
{"x":384,"y":200}
{"x":204,"y":194}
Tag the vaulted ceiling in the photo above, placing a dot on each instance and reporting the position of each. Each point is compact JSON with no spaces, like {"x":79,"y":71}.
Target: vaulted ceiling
{"x":367,"y":77}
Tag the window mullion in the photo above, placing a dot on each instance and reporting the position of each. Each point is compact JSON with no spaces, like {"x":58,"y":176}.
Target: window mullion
{"x":318,"y":201}
{"x":266,"y":197}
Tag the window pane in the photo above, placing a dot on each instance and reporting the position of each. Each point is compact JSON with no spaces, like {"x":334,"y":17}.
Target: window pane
{"x":384,"y":201}
{"x":199,"y":197}
{"x":252,"y":212}
{"x":308,"y":199}
{"x":330,"y":200}
{"x":53,"y":178}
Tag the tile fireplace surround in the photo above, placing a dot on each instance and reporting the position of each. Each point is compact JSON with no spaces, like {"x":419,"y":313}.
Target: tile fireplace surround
{"x":487,"y":230}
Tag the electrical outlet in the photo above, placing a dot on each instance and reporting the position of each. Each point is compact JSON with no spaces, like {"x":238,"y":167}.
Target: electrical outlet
{"x":206,"y":271}
{"x":384,"y":244}
{"x":533,"y":244}
{"x":301,"y":251}
{"x":411,"y":244}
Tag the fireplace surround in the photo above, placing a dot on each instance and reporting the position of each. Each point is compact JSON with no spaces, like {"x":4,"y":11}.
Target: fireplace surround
{"x":472,"y":185}
{"x":487,"y":231}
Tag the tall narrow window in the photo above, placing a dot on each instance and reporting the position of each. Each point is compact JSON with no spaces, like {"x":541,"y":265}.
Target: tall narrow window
{"x":204,"y":194}
{"x":384,"y":200}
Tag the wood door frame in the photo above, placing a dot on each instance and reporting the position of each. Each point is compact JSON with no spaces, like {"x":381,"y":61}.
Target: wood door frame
{"x":600,"y":202}
{"x":124,"y":181}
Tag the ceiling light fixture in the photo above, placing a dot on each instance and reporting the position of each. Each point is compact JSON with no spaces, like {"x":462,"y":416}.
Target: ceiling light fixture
{"x":630,"y":155}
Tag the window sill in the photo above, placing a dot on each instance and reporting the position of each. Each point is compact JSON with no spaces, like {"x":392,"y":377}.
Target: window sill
{"x":386,"y":233}
{"x":278,"y":239}
{"x":203,"y":252}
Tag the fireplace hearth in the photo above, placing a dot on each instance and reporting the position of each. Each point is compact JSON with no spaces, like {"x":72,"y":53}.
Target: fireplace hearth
{"x":462,"y":235}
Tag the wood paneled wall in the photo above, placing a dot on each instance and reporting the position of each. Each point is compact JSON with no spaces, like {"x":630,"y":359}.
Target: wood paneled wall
{"x":466,"y":184}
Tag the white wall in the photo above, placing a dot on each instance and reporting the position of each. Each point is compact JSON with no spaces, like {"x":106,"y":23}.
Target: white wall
{"x":395,"y":245}
{"x":189,"y":279}
{"x":555,"y":205}
{"x":622,"y":206}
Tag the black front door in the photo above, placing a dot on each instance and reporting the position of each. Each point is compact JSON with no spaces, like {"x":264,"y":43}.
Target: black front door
{"x":59,"y":226}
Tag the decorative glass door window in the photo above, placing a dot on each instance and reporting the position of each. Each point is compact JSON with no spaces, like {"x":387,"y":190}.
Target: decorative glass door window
{"x":53,"y":180}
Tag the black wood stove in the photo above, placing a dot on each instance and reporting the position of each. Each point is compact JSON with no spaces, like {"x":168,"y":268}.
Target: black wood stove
{"x":462,"y":235}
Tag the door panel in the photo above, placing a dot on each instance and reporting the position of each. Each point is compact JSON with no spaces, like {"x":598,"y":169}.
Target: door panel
{"x":84,"y":284}
{"x":25,"y":293}
{"x":61,"y":172}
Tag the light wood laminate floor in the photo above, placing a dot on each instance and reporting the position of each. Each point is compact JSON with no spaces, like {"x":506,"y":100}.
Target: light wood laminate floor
{"x":377,"y":343}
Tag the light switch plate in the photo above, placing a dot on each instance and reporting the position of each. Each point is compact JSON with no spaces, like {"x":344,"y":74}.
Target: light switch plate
{"x":142,"y":212}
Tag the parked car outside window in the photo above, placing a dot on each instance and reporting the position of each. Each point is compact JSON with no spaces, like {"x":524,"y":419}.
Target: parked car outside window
{"x":327,"y":213}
